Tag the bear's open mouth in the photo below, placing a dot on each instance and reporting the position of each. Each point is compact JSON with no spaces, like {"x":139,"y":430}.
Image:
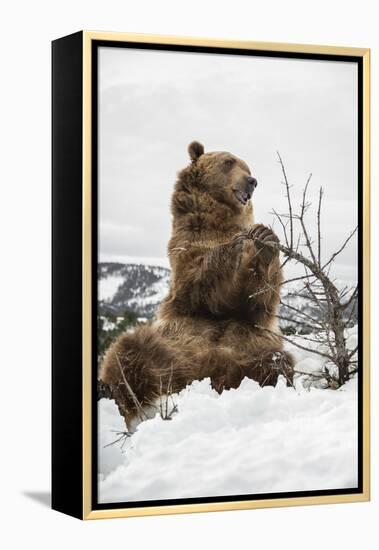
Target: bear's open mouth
{"x":242,"y":196}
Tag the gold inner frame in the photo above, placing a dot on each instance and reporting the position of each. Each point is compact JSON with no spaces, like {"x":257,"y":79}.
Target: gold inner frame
{"x":88,"y":513}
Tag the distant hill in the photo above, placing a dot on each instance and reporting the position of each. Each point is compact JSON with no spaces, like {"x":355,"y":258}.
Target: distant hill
{"x":133,"y":287}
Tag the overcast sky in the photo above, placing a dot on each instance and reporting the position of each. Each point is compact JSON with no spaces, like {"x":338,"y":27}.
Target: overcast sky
{"x":152,"y":104}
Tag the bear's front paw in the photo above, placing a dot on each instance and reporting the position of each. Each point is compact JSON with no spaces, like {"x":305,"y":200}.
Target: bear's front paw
{"x":265,"y":241}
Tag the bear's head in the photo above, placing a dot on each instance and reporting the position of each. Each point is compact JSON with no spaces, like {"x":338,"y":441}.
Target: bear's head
{"x":223,"y":176}
{"x":213,"y":191}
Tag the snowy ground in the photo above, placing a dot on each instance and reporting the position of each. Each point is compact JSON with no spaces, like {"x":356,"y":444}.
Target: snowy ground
{"x":247,"y":441}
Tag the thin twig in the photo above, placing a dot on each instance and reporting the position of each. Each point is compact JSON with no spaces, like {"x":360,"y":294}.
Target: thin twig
{"x":288,"y":198}
{"x":353,"y":352}
{"x":304,"y":206}
{"x":284,"y":226}
{"x":123,"y":435}
{"x":319,"y":226}
{"x":353,"y":297}
{"x":297,"y":322}
{"x":333,"y":257}
{"x":137,"y":404}
{"x":299,"y":312}
{"x":294,"y":343}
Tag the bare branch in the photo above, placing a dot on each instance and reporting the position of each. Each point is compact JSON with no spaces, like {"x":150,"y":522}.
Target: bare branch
{"x":288,"y":199}
{"x":284,"y":225}
{"x":318,"y":287}
{"x":328,"y":322}
{"x":296,"y":321}
{"x":353,"y":297}
{"x":319,"y":226}
{"x":137,"y":404}
{"x":299,"y":312}
{"x":304,"y":207}
{"x":317,"y":352}
{"x":352,"y":311}
{"x":123,"y":436}
{"x":344,"y":244}
{"x":353,"y":352}
{"x":316,"y":376}
{"x":308,"y":339}
{"x":295,"y":279}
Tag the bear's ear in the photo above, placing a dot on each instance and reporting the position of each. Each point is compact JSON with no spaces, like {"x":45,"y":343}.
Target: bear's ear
{"x":195,"y":150}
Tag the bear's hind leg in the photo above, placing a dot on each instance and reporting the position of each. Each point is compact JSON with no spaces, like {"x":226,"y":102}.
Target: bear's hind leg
{"x":141,"y":368}
{"x":266,"y":368}
{"x":227,"y":372}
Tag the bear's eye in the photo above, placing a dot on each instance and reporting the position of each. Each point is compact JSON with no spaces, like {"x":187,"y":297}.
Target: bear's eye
{"x":229,"y":162}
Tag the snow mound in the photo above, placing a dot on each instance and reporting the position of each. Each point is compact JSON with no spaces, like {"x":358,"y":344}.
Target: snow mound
{"x":108,"y":287}
{"x":247,"y":441}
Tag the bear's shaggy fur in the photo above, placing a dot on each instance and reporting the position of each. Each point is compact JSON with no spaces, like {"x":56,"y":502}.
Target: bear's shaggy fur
{"x":223,"y":284}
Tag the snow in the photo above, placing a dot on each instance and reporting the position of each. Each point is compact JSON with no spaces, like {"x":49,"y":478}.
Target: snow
{"x":110,"y":423}
{"x":108,"y":286}
{"x":108,"y":325}
{"x":247,"y":441}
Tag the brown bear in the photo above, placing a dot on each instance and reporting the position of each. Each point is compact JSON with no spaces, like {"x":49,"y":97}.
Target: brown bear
{"x":219,"y":319}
